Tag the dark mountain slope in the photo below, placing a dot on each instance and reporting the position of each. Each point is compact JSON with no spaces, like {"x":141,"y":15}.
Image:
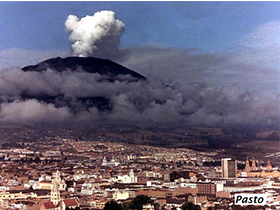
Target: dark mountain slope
{"x":110,"y":70}
{"x":89,"y":64}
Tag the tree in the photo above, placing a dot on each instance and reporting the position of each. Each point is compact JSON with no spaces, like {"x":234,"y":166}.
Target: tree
{"x":157,"y":205}
{"x":126,"y":206}
{"x":139,"y":201}
{"x":190,"y":206}
{"x":37,"y":159}
{"x":112,"y":205}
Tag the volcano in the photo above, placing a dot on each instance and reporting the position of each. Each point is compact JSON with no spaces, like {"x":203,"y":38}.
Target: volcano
{"x":109,"y":70}
{"x":89,"y":64}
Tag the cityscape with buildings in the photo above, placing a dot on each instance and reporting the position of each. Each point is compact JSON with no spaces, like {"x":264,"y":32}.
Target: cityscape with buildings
{"x":69,"y":173}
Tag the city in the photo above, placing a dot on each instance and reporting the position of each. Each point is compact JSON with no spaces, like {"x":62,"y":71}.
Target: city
{"x":62,"y":172}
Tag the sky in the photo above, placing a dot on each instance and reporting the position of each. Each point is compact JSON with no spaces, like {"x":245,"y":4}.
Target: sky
{"x":221,"y":60}
{"x":208,"y":26}
{"x":213,"y":43}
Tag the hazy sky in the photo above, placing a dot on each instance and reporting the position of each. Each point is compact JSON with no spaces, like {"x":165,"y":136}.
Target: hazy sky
{"x":217,"y":43}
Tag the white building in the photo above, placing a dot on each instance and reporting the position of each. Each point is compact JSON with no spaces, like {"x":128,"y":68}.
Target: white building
{"x":113,"y":162}
{"x":131,"y":178}
{"x":120,"y":195}
{"x":87,"y":189}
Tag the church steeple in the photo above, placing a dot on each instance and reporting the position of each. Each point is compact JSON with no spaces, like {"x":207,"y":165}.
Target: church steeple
{"x":55,"y":193}
{"x":131,"y":173}
{"x":247,"y":165}
{"x":268,"y":166}
{"x":254,"y":167}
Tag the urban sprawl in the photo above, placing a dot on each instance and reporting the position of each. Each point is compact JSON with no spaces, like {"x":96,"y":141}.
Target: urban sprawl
{"x":76,"y":174}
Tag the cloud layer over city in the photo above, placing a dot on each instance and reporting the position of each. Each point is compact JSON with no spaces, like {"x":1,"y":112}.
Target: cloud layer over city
{"x":141,"y":102}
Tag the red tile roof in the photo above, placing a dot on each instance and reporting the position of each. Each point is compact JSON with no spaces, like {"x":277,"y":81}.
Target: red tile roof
{"x":50,"y":205}
{"x":70,"y":202}
{"x":45,"y":181}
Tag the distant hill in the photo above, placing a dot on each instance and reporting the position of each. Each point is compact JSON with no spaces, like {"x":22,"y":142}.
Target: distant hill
{"x":268,"y":135}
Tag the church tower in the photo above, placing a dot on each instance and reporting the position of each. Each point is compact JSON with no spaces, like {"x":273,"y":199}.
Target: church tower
{"x":268,"y":166}
{"x":254,"y":167}
{"x":247,"y":165}
{"x":133,"y":178}
{"x":55,"y":193}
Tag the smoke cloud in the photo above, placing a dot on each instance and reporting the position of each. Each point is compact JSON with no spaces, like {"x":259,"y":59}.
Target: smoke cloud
{"x":146,"y":102}
{"x":96,"y":35}
{"x":32,"y":111}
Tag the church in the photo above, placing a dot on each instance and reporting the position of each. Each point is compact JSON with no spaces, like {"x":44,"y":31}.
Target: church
{"x":254,"y":171}
{"x":56,"y":203}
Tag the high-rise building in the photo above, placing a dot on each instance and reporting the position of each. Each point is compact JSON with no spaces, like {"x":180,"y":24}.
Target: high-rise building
{"x":229,"y":168}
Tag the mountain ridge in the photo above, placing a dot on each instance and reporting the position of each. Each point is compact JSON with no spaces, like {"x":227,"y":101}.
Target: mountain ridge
{"x":88,"y":64}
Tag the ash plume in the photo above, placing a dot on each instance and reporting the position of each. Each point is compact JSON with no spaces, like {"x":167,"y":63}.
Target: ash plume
{"x":96,"y":35}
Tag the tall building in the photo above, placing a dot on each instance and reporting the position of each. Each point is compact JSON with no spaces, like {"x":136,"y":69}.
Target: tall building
{"x":55,"y":193}
{"x":229,"y":168}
